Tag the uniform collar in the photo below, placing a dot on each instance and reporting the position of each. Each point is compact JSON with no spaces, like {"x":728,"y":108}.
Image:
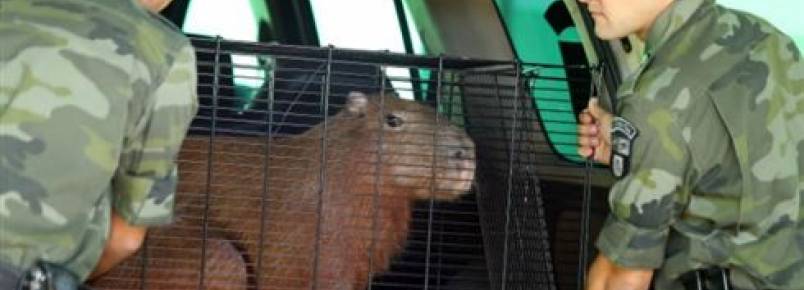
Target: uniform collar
{"x":670,"y":21}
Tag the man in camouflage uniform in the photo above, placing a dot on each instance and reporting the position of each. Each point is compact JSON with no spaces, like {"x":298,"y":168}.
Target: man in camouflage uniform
{"x":95,"y":100}
{"x":707,"y":141}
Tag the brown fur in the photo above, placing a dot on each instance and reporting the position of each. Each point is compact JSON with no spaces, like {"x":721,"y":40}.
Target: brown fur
{"x":360,"y":210}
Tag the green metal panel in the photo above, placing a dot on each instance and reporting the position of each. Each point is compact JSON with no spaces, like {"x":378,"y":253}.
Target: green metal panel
{"x":535,"y":41}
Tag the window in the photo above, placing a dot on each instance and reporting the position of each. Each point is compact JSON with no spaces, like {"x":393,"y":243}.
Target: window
{"x":375,"y":27}
{"x":226,"y":19}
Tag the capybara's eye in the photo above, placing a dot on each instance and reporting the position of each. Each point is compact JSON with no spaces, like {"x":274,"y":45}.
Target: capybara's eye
{"x":393,"y":120}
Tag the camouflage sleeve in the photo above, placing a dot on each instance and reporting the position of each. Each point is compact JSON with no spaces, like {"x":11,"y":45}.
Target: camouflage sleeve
{"x":146,"y":179}
{"x":646,"y":201}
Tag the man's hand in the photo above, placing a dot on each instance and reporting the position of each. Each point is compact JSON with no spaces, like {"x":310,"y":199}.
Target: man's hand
{"x":124,"y":240}
{"x":594,"y":132}
{"x":605,"y":275}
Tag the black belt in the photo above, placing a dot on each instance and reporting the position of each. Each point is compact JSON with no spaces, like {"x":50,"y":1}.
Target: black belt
{"x":42,"y":276}
{"x":714,"y":278}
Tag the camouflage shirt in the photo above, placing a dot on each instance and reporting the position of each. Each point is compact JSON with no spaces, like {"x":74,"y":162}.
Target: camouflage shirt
{"x":95,"y":99}
{"x":717,"y":169}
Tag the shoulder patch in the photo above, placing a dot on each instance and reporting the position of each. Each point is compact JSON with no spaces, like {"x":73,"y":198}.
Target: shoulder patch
{"x":623,"y":134}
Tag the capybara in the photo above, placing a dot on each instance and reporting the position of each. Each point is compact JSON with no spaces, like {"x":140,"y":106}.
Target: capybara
{"x":328,"y":207}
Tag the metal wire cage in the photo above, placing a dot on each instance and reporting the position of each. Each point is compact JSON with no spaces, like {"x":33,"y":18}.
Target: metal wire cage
{"x":305,"y":169}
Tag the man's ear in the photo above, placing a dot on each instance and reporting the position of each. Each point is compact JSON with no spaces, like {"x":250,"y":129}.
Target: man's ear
{"x":356,"y":104}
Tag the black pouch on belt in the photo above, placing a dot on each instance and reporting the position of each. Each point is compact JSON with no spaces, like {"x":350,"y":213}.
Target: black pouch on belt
{"x":8,"y":277}
{"x":48,"y":276}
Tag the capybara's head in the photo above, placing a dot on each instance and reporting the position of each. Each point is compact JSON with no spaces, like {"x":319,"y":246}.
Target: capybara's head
{"x":420,"y":152}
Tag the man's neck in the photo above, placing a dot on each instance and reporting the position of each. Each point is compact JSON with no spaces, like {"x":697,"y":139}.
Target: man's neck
{"x":642,"y":34}
{"x":661,"y":6}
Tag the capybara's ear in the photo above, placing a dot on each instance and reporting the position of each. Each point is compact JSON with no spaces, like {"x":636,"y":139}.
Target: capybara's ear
{"x":357,"y":103}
